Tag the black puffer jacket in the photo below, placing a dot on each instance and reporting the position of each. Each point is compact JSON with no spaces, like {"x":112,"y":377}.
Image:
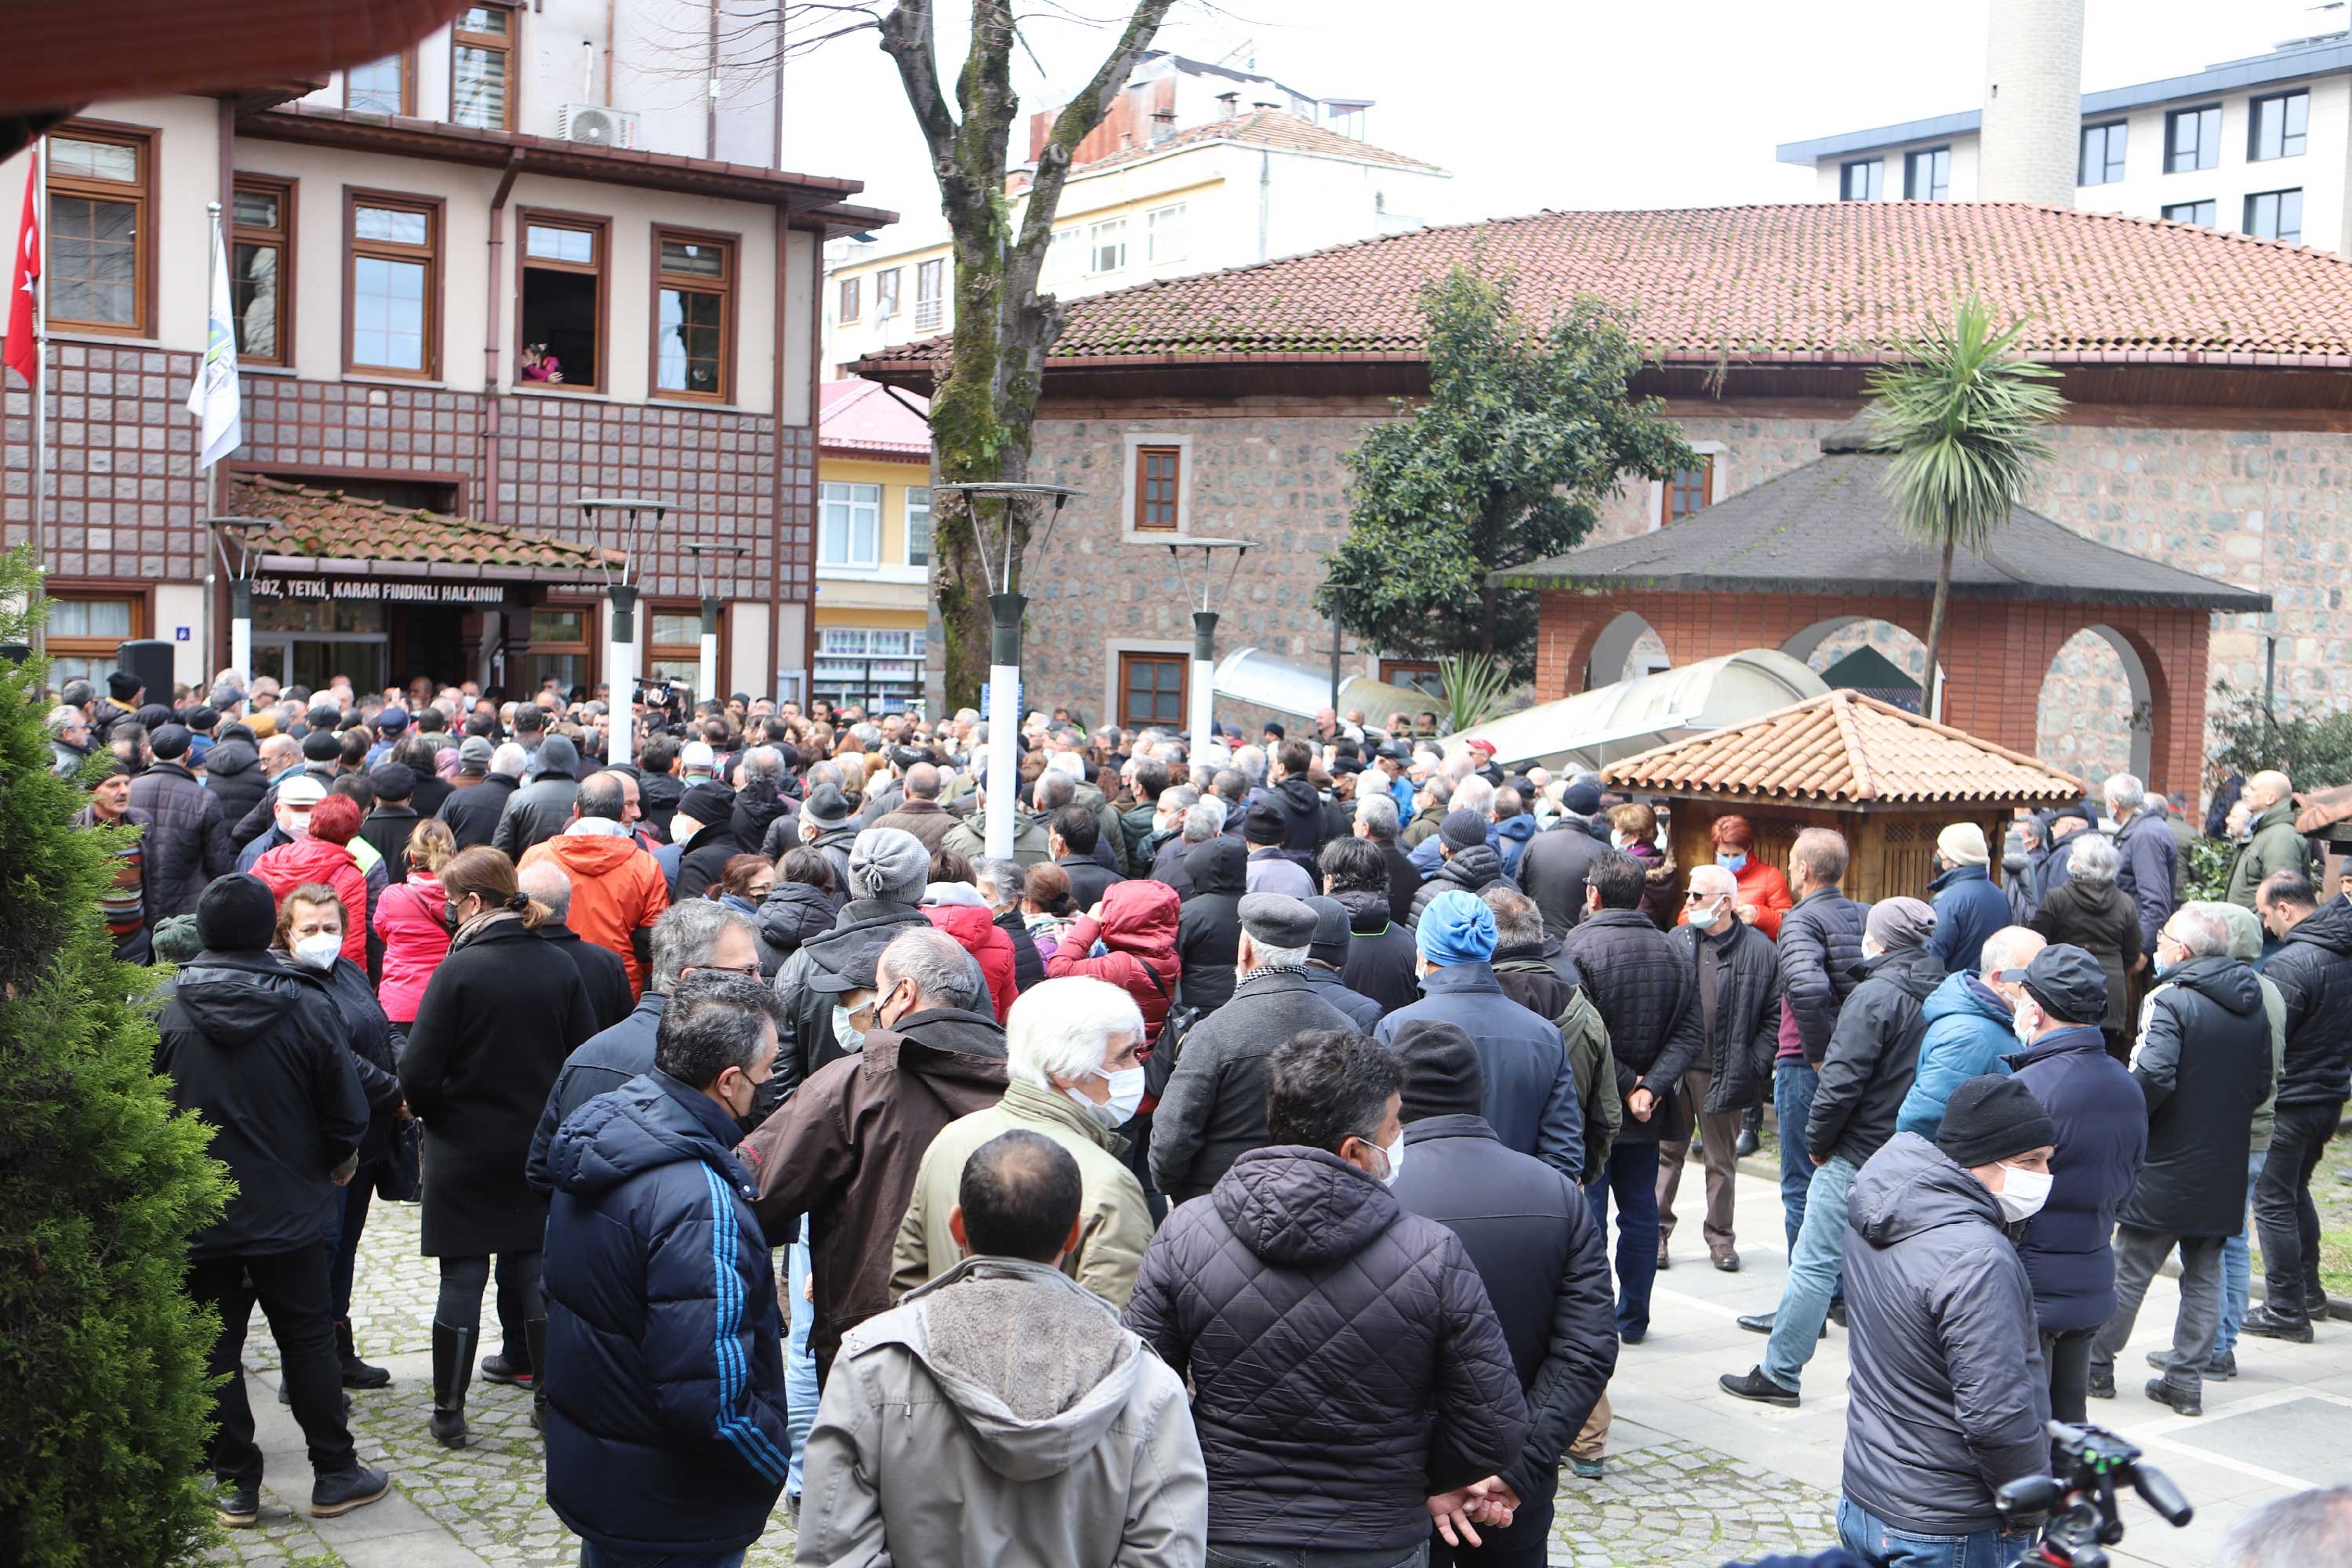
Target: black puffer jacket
{"x":2313,"y":970}
{"x":1208,"y":927}
{"x":792,"y":913}
{"x":1647,"y":992}
{"x":186,"y":844}
{"x":1821,"y":944}
{"x":1739,"y":1048}
{"x":1949,"y":1393}
{"x":1322,"y":1328}
{"x":1028,"y":964}
{"x":233,"y":772}
{"x":1552,"y":869}
{"x":1214,"y":1109}
{"x":1473,"y":871}
{"x":1874,"y":1055}
{"x":2203,"y":1063}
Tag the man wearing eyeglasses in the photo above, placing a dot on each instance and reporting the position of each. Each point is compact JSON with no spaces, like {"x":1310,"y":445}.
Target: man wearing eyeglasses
{"x":1740,"y":1008}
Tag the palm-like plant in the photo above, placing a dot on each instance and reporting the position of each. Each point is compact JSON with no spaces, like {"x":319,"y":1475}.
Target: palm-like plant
{"x":1967,"y":421}
{"x":1475,"y":685}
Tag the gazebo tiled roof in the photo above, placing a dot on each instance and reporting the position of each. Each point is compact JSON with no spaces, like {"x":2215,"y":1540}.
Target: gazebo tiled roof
{"x":1276,"y":128}
{"x":1844,"y":750}
{"x":329,"y":525}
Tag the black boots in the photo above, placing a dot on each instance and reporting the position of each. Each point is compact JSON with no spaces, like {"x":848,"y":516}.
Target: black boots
{"x":452,"y":1372}
{"x":534,"y":1338}
{"x":357,"y":1374}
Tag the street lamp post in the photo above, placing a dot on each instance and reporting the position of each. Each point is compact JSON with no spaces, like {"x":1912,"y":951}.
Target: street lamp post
{"x":706,"y":570}
{"x":1200,"y":715}
{"x":1002,"y":702}
{"x":620,"y":586}
{"x":240,"y":557}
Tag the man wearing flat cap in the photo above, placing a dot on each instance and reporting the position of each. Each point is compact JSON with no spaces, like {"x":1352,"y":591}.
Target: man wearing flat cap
{"x":1948,"y":1404}
{"x":1213,"y":1109}
{"x":1872,"y":1054}
{"x":2203,"y":1064}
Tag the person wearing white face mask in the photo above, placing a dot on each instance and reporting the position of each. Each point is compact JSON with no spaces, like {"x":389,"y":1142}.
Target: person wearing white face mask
{"x":1947,"y":1398}
{"x":1071,"y":1076}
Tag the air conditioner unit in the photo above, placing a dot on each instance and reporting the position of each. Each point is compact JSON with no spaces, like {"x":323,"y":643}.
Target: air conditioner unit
{"x":597,"y":125}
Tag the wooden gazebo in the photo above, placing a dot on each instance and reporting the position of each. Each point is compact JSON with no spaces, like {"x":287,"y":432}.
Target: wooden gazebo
{"x":1889,"y":780}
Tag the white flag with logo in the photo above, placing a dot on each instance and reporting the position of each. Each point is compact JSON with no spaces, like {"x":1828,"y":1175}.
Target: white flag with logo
{"x":214,"y":398}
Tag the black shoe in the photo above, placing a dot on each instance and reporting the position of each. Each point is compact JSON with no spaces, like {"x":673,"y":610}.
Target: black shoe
{"x":498,"y":1368}
{"x":2102,"y":1385}
{"x":1758,"y":1322}
{"x":2314,"y":1300}
{"x":2221,"y":1368}
{"x":357,"y":1374}
{"x":2263,"y":1324}
{"x":453,"y":1370}
{"x":1755,"y":1385}
{"x":534,"y":1337}
{"x":1748,"y":1144}
{"x":334,"y":1496}
{"x":1837,"y":1313}
{"x":239,"y":1507}
{"x":1665,"y":1262}
{"x":2182,"y":1401}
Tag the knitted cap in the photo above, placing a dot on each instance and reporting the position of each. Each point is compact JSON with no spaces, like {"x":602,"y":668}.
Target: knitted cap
{"x":1992,"y":1118}
{"x":891,"y":864}
{"x":1963,"y":843}
{"x":236,"y":914}
{"x":1456,"y":928}
{"x":1443,"y":1075}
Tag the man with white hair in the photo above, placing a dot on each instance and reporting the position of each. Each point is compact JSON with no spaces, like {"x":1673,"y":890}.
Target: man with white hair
{"x":2272,"y":842}
{"x":1072,"y":1077}
{"x":2148,"y":853}
{"x":1203,"y":820}
{"x":601,"y":969}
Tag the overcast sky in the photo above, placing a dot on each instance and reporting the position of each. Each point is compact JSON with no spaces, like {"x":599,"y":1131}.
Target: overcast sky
{"x":1553,"y":103}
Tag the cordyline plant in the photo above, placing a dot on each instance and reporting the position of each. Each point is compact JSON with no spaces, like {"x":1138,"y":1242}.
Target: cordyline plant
{"x":1475,"y":685}
{"x":1967,"y":420}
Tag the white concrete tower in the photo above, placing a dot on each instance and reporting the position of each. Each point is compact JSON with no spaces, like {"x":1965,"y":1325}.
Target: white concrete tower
{"x":2033,"y":103}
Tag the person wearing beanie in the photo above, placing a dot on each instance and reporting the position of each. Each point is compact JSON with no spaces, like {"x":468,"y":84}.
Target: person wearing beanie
{"x":1543,"y":1261}
{"x":1530,"y":1096}
{"x":473,"y":811}
{"x":256,"y":1049}
{"x":886,"y":873}
{"x":387,"y":827}
{"x":702,"y":840}
{"x":542,"y":809}
{"x":829,"y":825}
{"x":1873,"y":1054}
{"x":1214,"y":1109}
{"x":2203,"y":1066}
{"x":1968,"y":907}
{"x":186,"y":843}
{"x":1270,"y":870}
{"x":1328,"y":955}
{"x":1946,"y":1381}
{"x":1468,"y":864}
{"x":1554,"y":865}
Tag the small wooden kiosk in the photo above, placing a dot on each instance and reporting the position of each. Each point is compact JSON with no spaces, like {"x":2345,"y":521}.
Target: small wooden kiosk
{"x":1888,"y":780}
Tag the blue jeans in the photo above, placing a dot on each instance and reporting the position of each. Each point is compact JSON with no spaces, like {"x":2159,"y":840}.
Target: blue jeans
{"x":2237,"y":1269}
{"x":1877,"y":1542}
{"x":594,"y":1556}
{"x":1632,"y":1173}
{"x":1793,"y":1082}
{"x":1812,"y":1274}
{"x":800,"y":1367}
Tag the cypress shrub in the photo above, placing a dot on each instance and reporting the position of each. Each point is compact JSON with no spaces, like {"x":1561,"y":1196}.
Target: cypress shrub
{"x":104,"y":1402}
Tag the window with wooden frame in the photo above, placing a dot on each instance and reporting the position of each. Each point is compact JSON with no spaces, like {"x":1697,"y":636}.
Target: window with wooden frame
{"x":261,"y":269}
{"x":1687,"y":490}
{"x":1420,"y":675}
{"x":674,"y":643}
{"x":694,"y":315}
{"x":482,"y":67}
{"x":561,"y":312}
{"x":851,"y":304}
{"x":1151,"y":689}
{"x":86,"y":629}
{"x":886,"y":295}
{"x":563,"y":638}
{"x":930,"y":293}
{"x":387,"y":85}
{"x":1158,"y":478}
{"x":392,"y":285}
{"x":101,"y":266}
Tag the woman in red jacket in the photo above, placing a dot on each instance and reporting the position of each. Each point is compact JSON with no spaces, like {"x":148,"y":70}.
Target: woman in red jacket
{"x":410,"y":921}
{"x":1761,"y":896}
{"x":1136,"y":923}
{"x":320,"y":853}
{"x":952,"y":904}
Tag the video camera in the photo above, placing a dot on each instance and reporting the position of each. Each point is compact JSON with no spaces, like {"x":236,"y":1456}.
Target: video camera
{"x":2084,"y":1517}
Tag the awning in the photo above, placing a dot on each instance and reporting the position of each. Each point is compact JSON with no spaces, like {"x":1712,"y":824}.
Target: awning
{"x":326,"y":533}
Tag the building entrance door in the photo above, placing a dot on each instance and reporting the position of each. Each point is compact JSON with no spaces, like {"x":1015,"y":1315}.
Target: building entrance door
{"x":313,"y":661}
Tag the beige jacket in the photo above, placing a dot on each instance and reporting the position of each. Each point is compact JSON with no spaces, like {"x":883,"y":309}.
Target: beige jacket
{"x":1115,"y":1225}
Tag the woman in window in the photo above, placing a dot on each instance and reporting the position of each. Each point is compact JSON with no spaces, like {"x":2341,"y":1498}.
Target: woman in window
{"x":538,"y":364}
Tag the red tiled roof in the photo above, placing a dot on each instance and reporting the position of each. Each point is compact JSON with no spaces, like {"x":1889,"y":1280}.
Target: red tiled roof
{"x":1844,"y":749}
{"x":1823,"y":282}
{"x":861,"y":418}
{"x":333,"y":526}
{"x":1277,"y":128}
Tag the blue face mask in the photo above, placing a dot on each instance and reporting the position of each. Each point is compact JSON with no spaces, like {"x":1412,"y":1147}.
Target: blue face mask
{"x":1731,"y":863}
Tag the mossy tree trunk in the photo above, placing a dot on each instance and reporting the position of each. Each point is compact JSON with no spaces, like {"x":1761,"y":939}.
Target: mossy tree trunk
{"x":985,"y":401}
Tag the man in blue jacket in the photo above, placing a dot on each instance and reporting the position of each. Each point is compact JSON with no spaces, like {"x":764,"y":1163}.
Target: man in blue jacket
{"x":665,"y":1439}
{"x":1969,"y":1031}
{"x":1968,"y":907}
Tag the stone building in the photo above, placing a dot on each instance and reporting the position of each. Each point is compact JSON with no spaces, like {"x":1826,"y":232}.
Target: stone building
{"x":2207,"y":423}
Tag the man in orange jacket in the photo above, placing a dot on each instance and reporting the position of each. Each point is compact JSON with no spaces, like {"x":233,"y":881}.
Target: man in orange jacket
{"x":618,"y":890}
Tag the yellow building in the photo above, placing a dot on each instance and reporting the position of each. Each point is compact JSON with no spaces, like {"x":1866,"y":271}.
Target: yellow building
{"x":874,"y":546}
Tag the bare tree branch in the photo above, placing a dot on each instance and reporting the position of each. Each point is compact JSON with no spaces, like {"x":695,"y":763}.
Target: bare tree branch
{"x":910,"y":38}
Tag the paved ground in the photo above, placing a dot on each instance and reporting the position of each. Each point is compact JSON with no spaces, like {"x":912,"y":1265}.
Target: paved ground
{"x":1696,"y":1478}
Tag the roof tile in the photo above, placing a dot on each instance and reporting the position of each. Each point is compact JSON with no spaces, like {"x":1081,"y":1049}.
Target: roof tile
{"x":338,"y":526}
{"x":1277,"y":128}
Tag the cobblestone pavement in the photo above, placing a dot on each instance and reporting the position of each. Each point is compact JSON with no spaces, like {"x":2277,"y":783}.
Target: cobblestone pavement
{"x":1671,"y":1504}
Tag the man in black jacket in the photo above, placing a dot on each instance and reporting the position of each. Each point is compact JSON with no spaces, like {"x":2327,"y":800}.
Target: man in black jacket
{"x":1554,"y":865}
{"x":2313,"y":970}
{"x":1302,"y":1287}
{"x":388,"y":827}
{"x":1209,"y":925}
{"x":1739,"y":1012}
{"x":1868,"y":1069}
{"x":1293,"y":794}
{"x":187,"y":844}
{"x":1072,"y":835}
{"x":601,"y":969}
{"x":1328,"y":956}
{"x":1648,"y":997}
{"x":257,"y":1051}
{"x":473,"y":811}
{"x":1542,"y":1260}
{"x":1381,"y":963}
{"x":1819,"y":946}
{"x":1376,"y":823}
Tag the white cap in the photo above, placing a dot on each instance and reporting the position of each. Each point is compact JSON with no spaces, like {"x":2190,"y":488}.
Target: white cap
{"x":696,"y":754}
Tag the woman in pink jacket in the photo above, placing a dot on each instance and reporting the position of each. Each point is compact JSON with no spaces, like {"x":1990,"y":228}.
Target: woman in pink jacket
{"x":409,"y":921}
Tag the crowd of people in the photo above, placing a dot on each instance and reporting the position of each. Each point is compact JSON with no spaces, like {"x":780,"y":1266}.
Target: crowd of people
{"x":1259,"y":1117}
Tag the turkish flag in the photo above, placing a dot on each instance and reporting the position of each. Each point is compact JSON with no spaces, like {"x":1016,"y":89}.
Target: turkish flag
{"x":23,"y":278}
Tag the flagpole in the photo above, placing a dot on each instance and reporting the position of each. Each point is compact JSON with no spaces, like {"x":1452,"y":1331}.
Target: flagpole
{"x":41,"y":398}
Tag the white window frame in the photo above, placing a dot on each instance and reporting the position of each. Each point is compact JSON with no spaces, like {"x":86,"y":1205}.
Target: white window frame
{"x":1128,"y":497}
{"x":1064,"y":254}
{"x":1118,"y":225}
{"x":922,"y":509}
{"x":851,"y":503}
{"x":930,"y":307}
{"x":1719,"y":482}
{"x":1163,"y":234}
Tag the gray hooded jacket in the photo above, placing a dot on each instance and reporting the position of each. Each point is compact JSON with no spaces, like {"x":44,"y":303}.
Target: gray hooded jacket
{"x":1001,"y":1415}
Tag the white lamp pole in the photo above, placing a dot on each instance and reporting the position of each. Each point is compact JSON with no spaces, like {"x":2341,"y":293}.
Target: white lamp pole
{"x":1200,"y":707}
{"x":233,"y":538}
{"x":620,"y":645}
{"x":706,"y":570}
